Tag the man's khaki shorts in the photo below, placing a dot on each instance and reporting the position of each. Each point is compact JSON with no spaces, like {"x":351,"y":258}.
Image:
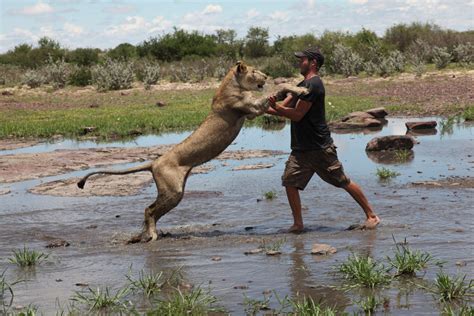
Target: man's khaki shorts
{"x":301,"y":166}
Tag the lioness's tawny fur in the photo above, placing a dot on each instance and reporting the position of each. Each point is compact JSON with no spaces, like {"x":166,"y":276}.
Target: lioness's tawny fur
{"x":231,"y":105}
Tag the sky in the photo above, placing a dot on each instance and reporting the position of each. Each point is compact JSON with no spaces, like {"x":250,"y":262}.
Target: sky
{"x":105,"y":24}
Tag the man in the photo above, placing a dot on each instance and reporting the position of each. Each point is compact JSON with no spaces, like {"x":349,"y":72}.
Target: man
{"x":312,"y":147}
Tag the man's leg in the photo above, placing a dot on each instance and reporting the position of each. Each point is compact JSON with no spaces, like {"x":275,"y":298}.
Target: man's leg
{"x":356,"y":192}
{"x":295,"y":203}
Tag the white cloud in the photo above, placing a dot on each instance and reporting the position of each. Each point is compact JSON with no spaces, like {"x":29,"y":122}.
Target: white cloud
{"x":252,"y":13}
{"x":280,"y":16}
{"x":212,"y":9}
{"x":358,"y":1}
{"x":119,"y":9}
{"x":73,"y":29}
{"x":38,"y":8}
{"x":135,"y":24}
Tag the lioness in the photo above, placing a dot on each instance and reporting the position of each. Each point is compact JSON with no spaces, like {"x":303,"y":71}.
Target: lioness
{"x":231,"y":105}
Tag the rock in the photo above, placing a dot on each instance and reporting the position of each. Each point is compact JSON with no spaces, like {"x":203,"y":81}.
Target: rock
{"x":280,"y":80}
{"x":322,"y":249}
{"x":422,"y":132}
{"x":7,"y":92}
{"x":378,"y":112}
{"x":124,"y":93}
{"x":216,"y":258}
{"x":394,"y":142}
{"x":355,"y":122}
{"x":241,"y":287}
{"x":94,"y":106}
{"x":461,"y":263}
{"x":358,"y":115}
{"x":273,"y":252}
{"x":135,"y":132}
{"x":160,"y":104}
{"x":253,"y":251}
{"x":253,"y":167}
{"x":56,"y":243}
{"x":421,"y":125}
{"x":4,"y":191}
{"x":88,"y":129}
{"x":82,"y":284}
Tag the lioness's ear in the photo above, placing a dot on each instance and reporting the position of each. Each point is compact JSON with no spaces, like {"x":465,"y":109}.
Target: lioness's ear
{"x":241,"y":67}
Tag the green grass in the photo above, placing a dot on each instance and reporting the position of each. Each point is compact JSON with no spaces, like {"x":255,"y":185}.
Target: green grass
{"x":26,"y":257}
{"x":406,"y":261}
{"x":363,"y":271}
{"x":385,"y":173}
{"x":274,"y":246}
{"x":402,"y":155}
{"x":468,"y":114}
{"x":452,"y":288}
{"x":149,"y":284}
{"x":463,"y":310}
{"x":195,"y":302}
{"x":6,"y":291}
{"x":102,"y":299}
{"x":369,"y":304}
{"x":308,"y":307}
{"x":120,"y":116}
{"x":269,"y":195}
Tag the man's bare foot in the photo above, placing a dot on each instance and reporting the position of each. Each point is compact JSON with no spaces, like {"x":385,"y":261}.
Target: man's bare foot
{"x":371,"y":223}
{"x":296,"y":229}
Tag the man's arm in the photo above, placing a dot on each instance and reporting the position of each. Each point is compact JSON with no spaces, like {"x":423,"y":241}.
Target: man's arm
{"x":294,"y":114}
{"x":288,"y":102}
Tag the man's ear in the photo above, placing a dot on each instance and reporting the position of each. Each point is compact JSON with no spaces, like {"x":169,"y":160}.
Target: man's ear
{"x":241,"y":67}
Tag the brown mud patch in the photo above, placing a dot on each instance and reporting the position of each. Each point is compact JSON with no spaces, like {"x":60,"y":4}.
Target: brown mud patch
{"x":104,"y":185}
{"x":11,"y":144}
{"x":435,"y":93}
{"x":451,"y":182}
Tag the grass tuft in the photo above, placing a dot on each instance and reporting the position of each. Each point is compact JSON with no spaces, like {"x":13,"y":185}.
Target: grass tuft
{"x":402,"y":155}
{"x":150,"y":284}
{"x":270,"y":195}
{"x":195,"y":302}
{"x":100,"y":299}
{"x":385,"y":173}
{"x":26,"y":257}
{"x":407,"y":261}
{"x":369,"y":304}
{"x":308,"y":307}
{"x":452,"y":288}
{"x":364,"y":272}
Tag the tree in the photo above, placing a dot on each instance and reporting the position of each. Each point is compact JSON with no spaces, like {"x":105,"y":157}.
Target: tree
{"x":256,"y":42}
{"x":124,"y":51}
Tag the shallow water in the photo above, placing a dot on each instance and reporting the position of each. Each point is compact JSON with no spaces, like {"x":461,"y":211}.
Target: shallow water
{"x":438,"y":220}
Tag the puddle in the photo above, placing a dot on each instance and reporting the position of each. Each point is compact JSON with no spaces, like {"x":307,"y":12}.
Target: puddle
{"x":236,"y":218}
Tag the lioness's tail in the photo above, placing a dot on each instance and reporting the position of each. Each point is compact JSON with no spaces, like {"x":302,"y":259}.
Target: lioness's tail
{"x":144,"y":167}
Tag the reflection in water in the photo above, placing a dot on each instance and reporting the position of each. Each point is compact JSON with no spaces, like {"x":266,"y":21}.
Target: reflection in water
{"x":300,"y":279}
{"x":389,"y":157}
{"x":422,"y":132}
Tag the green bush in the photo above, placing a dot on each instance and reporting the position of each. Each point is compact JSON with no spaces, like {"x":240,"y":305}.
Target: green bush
{"x":113,"y":75}
{"x":81,"y":77}
{"x":441,"y":57}
{"x":464,"y":54}
{"x":279,"y":67}
{"x":57,"y":73}
{"x":151,"y":74}
{"x":33,"y":78}
{"x":346,"y":61}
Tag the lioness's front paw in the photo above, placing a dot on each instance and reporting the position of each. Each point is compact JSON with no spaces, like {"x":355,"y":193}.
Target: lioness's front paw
{"x":143,"y":237}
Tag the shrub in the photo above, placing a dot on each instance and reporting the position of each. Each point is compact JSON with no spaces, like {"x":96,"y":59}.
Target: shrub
{"x":398,"y":60}
{"x":179,"y":73}
{"x":33,"y":78}
{"x":464,"y":54}
{"x":81,"y":76}
{"x":441,"y":57}
{"x":345,"y":61}
{"x":113,"y":75}
{"x":151,"y":74}
{"x":57,"y":73}
{"x":371,"y":68}
{"x":279,"y":67}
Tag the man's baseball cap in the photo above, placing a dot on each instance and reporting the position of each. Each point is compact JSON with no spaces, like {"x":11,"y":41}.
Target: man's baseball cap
{"x":312,"y":53}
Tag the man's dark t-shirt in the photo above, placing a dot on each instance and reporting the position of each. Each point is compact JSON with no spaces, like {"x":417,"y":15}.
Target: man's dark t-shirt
{"x":311,"y":132}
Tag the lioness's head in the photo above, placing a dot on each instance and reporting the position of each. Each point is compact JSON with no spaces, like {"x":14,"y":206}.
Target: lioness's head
{"x":249,"y":78}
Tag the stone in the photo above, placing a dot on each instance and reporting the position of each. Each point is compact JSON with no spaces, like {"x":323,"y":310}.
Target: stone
{"x":88,"y":130}
{"x":4,"y":191}
{"x":421,"y":125}
{"x":253,"y":251}
{"x":253,"y":167}
{"x":359,"y":115}
{"x":322,"y":250}
{"x":355,"y":122}
{"x":393,"y":142}
{"x":56,"y":243}
{"x":7,"y":92}
{"x":160,"y":104}
{"x":216,"y":258}
{"x":378,"y":112}
{"x":273,"y":252}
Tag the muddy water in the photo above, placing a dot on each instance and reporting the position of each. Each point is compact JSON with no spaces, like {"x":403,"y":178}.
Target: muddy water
{"x":224,"y":215}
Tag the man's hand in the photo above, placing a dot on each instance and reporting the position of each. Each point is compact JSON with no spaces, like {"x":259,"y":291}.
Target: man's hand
{"x":272,"y":101}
